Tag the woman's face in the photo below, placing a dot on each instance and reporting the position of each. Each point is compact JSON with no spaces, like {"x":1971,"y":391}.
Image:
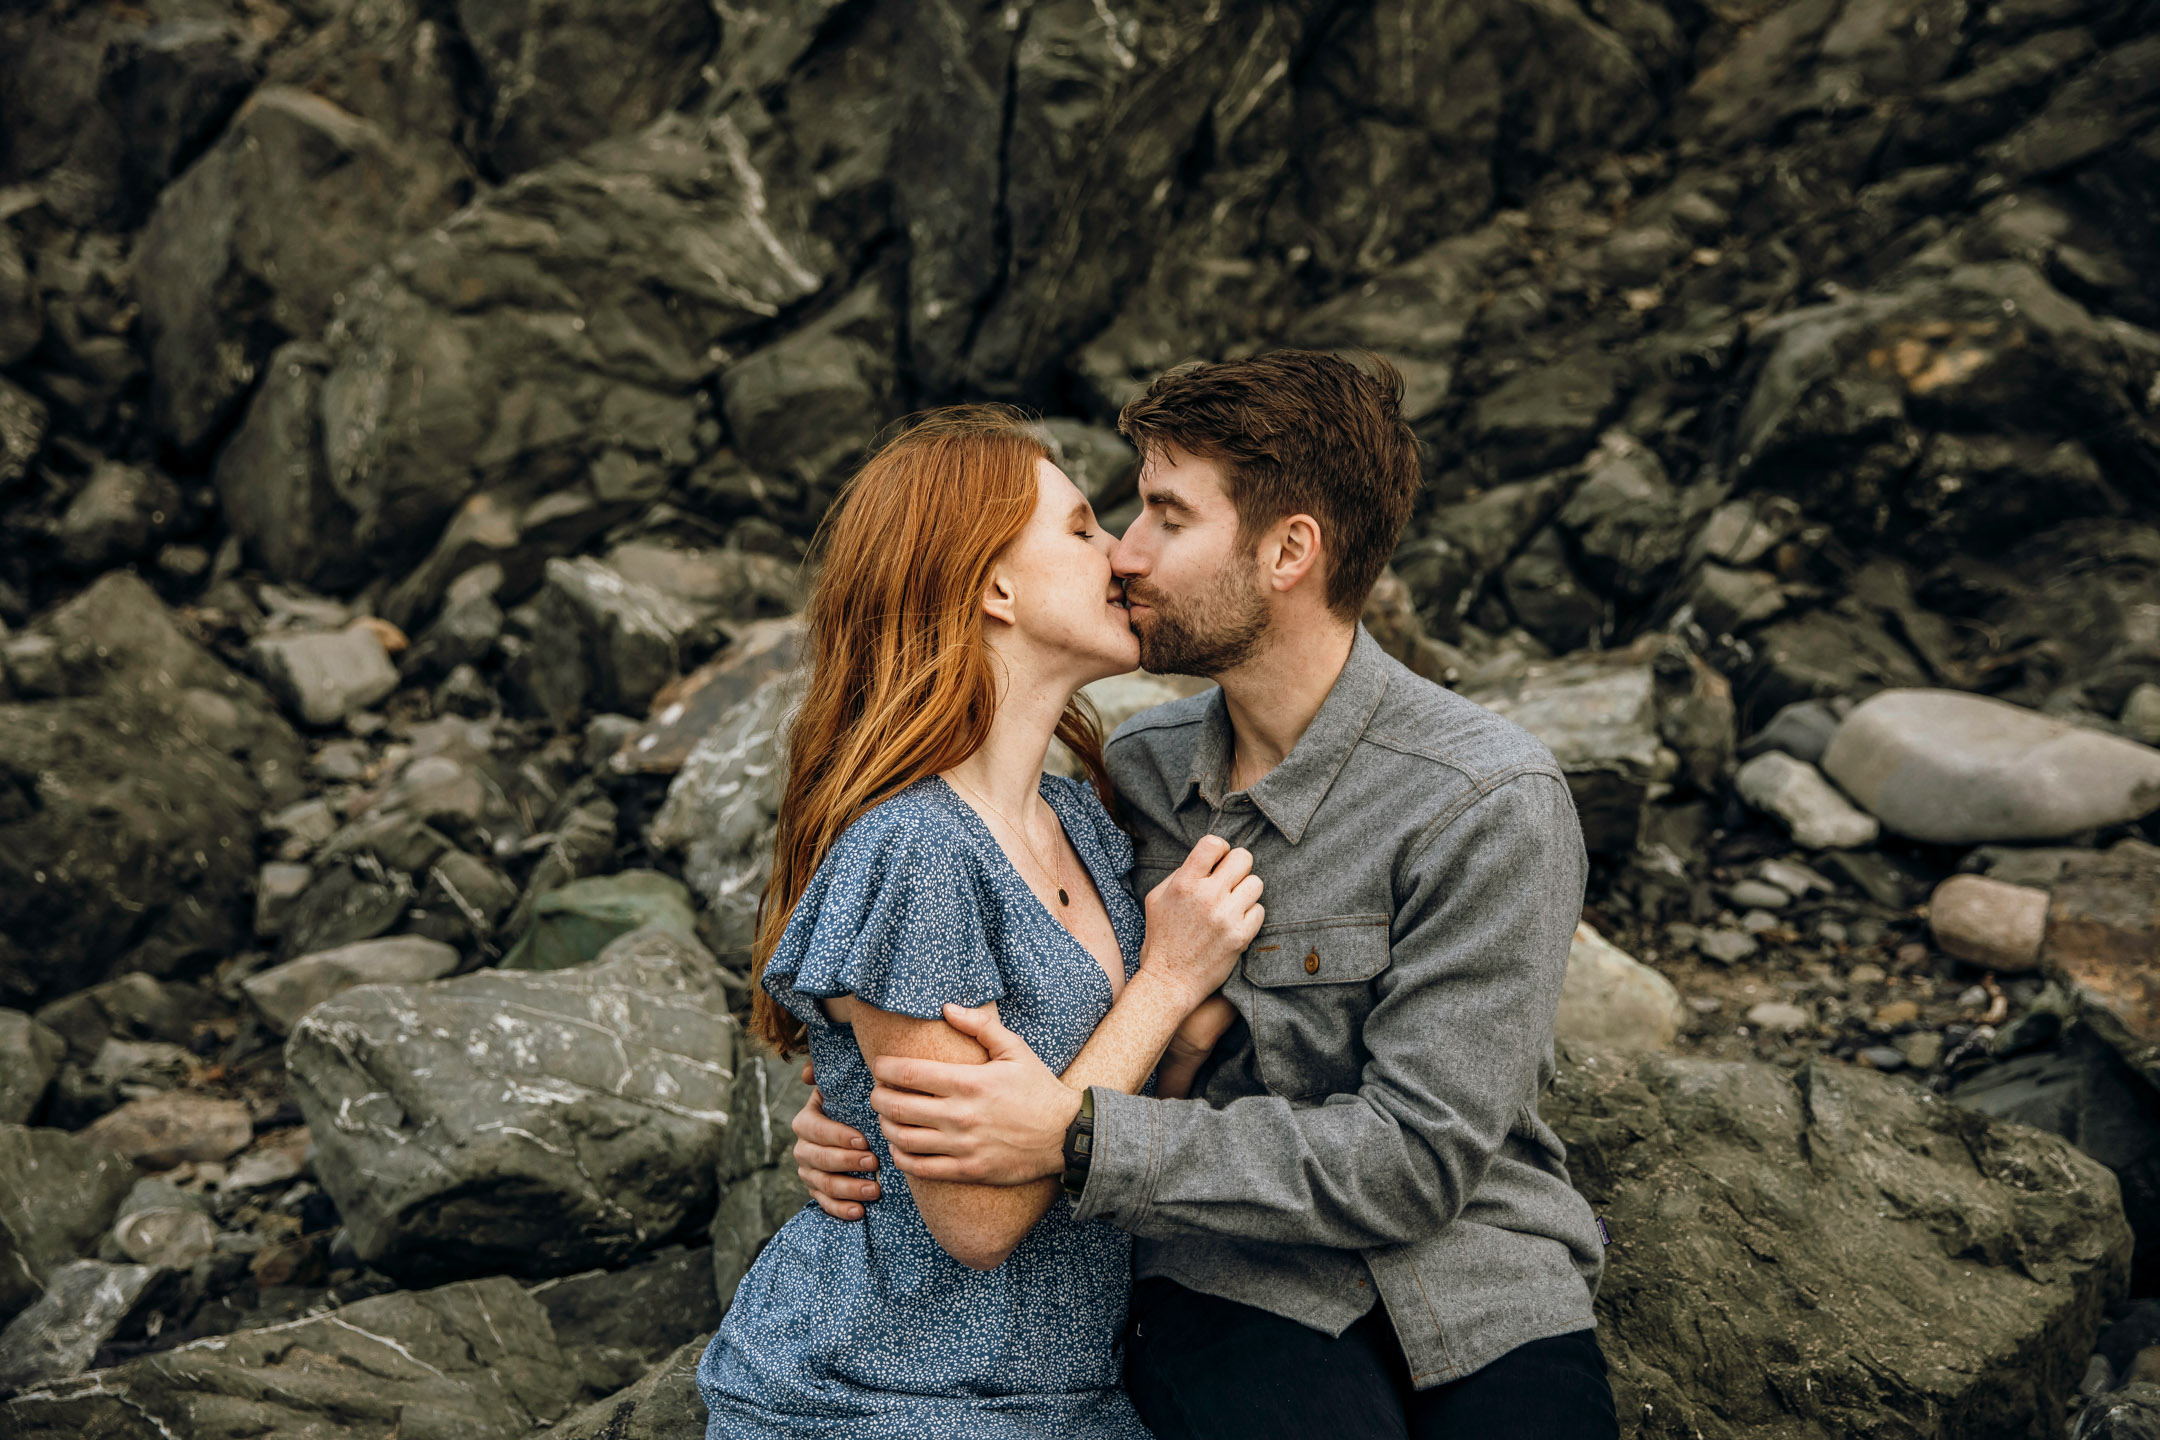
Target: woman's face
{"x":1065,"y":605}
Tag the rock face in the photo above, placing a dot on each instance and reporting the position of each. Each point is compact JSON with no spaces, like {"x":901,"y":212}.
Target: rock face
{"x":664,"y":1404}
{"x":531,"y":1123}
{"x":285,"y":992}
{"x":1910,"y":1268}
{"x":29,"y":1055}
{"x":1961,"y":769}
{"x":2103,"y":944}
{"x":476,"y":1359}
{"x":759,"y":1189}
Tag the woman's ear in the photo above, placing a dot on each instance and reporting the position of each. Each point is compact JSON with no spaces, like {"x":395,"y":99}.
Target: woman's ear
{"x":998,"y":602}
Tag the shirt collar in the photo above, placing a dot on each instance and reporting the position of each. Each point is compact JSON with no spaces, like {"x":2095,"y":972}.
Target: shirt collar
{"x":1290,"y":793}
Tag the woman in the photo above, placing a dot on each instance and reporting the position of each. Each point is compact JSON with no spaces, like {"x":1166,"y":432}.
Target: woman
{"x":922,"y":859}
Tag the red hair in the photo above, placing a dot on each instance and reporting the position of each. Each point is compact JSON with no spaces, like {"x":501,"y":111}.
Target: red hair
{"x":901,"y":685}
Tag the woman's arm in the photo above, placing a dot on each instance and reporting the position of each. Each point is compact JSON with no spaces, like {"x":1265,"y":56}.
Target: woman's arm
{"x":978,"y":1225}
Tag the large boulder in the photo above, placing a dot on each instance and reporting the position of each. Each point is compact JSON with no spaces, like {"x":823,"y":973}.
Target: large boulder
{"x":1833,"y":1252}
{"x":552,"y":337}
{"x":1624,"y":725}
{"x":616,"y":1325}
{"x":226,"y":273}
{"x":664,"y":1405}
{"x":1612,"y":1001}
{"x":57,"y":1195}
{"x":1959,"y":769}
{"x":721,"y":809}
{"x":527,"y":1122}
{"x":475,"y":1360}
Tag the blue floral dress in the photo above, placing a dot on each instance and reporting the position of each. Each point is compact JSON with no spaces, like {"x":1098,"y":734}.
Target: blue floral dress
{"x":868,"y":1329}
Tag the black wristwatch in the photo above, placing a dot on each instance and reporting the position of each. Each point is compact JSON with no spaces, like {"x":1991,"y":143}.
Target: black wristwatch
{"x":1080,"y":1145}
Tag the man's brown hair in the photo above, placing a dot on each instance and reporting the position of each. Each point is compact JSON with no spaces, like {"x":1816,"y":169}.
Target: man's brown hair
{"x":1297,"y":432}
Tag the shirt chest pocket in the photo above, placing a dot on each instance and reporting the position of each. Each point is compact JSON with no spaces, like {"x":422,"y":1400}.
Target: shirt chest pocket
{"x":1310,"y":991}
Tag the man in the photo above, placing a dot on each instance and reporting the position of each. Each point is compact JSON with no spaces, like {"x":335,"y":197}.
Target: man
{"x":1359,"y":1225}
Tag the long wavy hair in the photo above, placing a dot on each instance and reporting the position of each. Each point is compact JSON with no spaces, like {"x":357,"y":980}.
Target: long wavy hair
{"x":901,"y":684}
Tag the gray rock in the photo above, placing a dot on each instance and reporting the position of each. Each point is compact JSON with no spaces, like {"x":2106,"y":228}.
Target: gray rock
{"x":720,"y":811}
{"x":160,"y":1131}
{"x":1808,"y":805}
{"x":1959,"y":769}
{"x":663,"y":1405}
{"x":1096,"y":458}
{"x":57,"y":1196}
{"x":2131,"y":1412}
{"x":1548,"y":598}
{"x":278,"y":887}
{"x":807,"y":408}
{"x":601,"y":642}
{"x":475,"y":1359}
{"x":1758,"y":895}
{"x":1825,"y":655}
{"x":536,"y":1123}
{"x":573,"y":923}
{"x":1727,"y":947}
{"x":562,"y":74}
{"x":57,"y":1337}
{"x":728,"y":584}
{"x":1623,"y":725}
{"x":22,"y":309}
{"x":284,"y":993}
{"x":1778,"y":1015}
{"x":120,"y":514}
{"x":1802,"y":730}
{"x":172,"y":1237}
{"x":29,"y":1057}
{"x":225,"y":274}
{"x":1465,"y":544}
{"x":1712,"y":1175}
{"x":1626,"y":516}
{"x":355,"y":897}
{"x":325,"y":676}
{"x":2141,"y":714}
{"x":1612,"y":1001}
{"x":1886,"y":1058}
{"x":616,"y":1325}
{"x":1544,"y":417}
{"x":22,"y":432}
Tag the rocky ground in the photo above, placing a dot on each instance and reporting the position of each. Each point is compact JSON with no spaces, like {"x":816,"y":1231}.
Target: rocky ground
{"x":412,"y":418}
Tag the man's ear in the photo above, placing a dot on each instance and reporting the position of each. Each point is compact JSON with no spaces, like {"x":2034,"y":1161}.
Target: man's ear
{"x":998,"y":601}
{"x":1291,"y":552}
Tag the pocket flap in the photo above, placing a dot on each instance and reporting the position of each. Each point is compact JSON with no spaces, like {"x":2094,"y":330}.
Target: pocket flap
{"x":1318,"y":952}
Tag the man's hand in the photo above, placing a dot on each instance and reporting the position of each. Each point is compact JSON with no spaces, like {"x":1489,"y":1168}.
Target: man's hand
{"x":829,"y":1157}
{"x":999,"y":1123}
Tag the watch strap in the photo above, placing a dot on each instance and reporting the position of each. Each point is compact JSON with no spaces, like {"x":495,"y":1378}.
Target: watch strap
{"x":1079,"y":1145}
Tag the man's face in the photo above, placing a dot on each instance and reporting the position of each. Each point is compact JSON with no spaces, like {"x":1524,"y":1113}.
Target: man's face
{"x":1192,"y":584}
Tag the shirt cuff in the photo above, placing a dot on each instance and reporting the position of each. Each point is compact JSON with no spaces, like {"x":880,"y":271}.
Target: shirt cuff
{"x":1122,"y":1169}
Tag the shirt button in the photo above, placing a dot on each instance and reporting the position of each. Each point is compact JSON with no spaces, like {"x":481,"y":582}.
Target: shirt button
{"x":1312,"y":963}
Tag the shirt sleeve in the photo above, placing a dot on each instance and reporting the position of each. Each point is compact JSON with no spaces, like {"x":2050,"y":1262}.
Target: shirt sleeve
{"x":901,"y":928}
{"x":1458,"y":1039}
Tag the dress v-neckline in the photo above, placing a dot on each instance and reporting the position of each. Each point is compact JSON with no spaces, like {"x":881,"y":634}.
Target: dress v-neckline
{"x":985,"y":834}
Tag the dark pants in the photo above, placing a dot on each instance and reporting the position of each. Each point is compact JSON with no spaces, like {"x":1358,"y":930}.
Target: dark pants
{"x":1201,"y":1368}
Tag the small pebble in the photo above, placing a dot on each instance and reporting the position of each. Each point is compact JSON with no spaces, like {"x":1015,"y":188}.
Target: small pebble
{"x":1778,"y":1015}
{"x":1758,"y":895}
{"x":1756,"y":922}
{"x":1912,"y":952}
{"x":1705,"y":1004}
{"x":1882,"y":1057}
{"x":1975,"y":997}
{"x":1793,"y":877}
{"x":1726,"y":946}
{"x":1830,"y":932}
{"x":1898,"y":1012}
{"x":1922,"y":1049}
{"x":1867,"y":972}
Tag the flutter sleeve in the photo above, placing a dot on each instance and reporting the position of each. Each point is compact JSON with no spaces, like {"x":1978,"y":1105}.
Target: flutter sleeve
{"x":896,"y":920}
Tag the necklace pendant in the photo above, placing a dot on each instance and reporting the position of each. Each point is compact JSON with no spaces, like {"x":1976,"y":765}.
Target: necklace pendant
{"x":1063,"y":898}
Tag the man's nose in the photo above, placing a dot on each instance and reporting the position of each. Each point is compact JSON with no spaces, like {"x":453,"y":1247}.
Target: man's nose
{"x":1126,"y":560}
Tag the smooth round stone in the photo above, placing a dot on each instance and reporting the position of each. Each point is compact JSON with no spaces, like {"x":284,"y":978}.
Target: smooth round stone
{"x":1727,"y":946}
{"x":1758,"y":895}
{"x":1778,"y":1015}
{"x":1988,"y":922}
{"x":1884,"y":1057}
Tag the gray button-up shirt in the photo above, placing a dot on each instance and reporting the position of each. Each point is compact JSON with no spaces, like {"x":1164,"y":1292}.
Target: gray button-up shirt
{"x":1373,"y":1121}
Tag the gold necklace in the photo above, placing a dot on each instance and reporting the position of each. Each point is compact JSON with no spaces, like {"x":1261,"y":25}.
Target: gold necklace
{"x":1056,"y":876}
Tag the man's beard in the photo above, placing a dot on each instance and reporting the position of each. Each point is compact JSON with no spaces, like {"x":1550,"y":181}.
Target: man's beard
{"x":1204,"y":634}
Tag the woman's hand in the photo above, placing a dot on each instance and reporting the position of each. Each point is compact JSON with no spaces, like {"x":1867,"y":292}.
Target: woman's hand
{"x":1190,"y":1046}
{"x":1200,"y":920}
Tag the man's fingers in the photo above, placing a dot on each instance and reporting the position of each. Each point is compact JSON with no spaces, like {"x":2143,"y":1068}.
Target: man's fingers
{"x":809,"y":1073}
{"x":935,"y":1167}
{"x":930,"y":1077}
{"x":1247,"y":891}
{"x":915,"y":1140}
{"x":813,"y":1125}
{"x":983,"y":1026}
{"x":908,"y":1108}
